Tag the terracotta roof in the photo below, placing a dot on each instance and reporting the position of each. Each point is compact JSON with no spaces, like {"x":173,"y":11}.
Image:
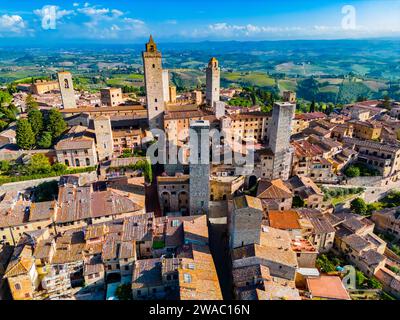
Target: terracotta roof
{"x":284,"y":220}
{"x":274,"y":189}
{"x":328,"y":287}
{"x":19,"y":267}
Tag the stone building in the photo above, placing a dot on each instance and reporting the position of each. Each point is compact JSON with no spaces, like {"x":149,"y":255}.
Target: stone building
{"x":277,"y":164}
{"x":244,"y":222}
{"x":77,"y":148}
{"x":274,"y":195}
{"x":382,"y":156}
{"x":41,"y":86}
{"x":111,"y":97}
{"x":21,"y":274}
{"x":212,"y":82}
{"x":197,"y":97}
{"x":289,"y":96}
{"x":366,"y":130}
{"x":173,"y":193}
{"x":225,"y":187}
{"x":172,"y":94}
{"x":153,"y":76}
{"x":250,"y":126}
{"x":104,"y":138}
{"x":199,"y":166}
{"x":273,"y":251}
{"x":127,"y":139}
{"x":67,"y":90}
{"x":388,"y":220}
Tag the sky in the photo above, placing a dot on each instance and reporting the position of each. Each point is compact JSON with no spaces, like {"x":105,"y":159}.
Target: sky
{"x":131,"y":21}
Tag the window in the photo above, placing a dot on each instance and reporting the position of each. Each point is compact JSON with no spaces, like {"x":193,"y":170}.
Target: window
{"x":77,"y":163}
{"x":66,"y":84}
{"x":187,"y":278}
{"x":87,"y":161}
{"x":17,"y":286}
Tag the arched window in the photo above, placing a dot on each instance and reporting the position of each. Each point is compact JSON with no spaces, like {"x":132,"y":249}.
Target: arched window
{"x":77,"y":163}
{"x":87,"y":162}
{"x":66,"y":84}
{"x":67,"y":162}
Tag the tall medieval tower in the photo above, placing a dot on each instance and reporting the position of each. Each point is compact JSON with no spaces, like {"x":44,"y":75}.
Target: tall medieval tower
{"x":104,"y":137}
{"x":279,"y":132}
{"x":67,"y":89}
{"x":153,"y":77}
{"x":199,"y":167}
{"x":212,"y":82}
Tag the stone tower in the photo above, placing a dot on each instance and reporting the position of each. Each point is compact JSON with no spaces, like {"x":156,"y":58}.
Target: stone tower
{"x":165,"y":76}
{"x":212,"y":82}
{"x":67,"y":89}
{"x":244,"y":222}
{"x":280,"y":126}
{"x":279,"y":131}
{"x":153,"y":77}
{"x":104,"y":137}
{"x":199,"y":167}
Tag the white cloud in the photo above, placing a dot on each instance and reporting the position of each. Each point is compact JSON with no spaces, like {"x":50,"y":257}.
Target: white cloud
{"x":172,"y":21}
{"x":91,"y":11}
{"x":117,"y":13}
{"x":224,"y":30}
{"x":12,"y":23}
{"x":75,"y":4}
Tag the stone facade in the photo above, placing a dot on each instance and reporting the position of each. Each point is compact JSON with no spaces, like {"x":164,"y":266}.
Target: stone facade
{"x":199,"y":167}
{"x":67,"y":90}
{"x":212,"y":82}
{"x":104,"y":138}
{"x":111,"y":97}
{"x":165,"y":80}
{"x":40,"y":87}
{"x":153,"y":76}
{"x":173,"y":193}
{"x":244,"y":222}
{"x":277,"y":165}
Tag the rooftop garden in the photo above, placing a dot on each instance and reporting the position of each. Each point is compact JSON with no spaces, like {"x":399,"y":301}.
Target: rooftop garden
{"x":340,"y":195}
{"x":360,"y":170}
{"x":38,"y":167}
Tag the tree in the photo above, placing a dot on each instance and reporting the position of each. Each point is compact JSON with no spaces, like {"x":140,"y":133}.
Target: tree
{"x":31,"y":103}
{"x":55,"y":123}
{"x":359,"y":206}
{"x":5,"y":166}
{"x":45,"y":140}
{"x":39,"y":164}
{"x":324,"y":264}
{"x":352,"y":172}
{"x":360,"y":278}
{"x":35,"y":118}
{"x":298,"y":202}
{"x":374,"y":283}
{"x":25,"y":136}
{"x":46,"y":191}
{"x":3,"y":125}
{"x":59,"y":167}
{"x":124,"y":292}
{"x":312,"y":107}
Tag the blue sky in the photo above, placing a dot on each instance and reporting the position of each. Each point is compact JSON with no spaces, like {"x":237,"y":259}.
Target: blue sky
{"x":125,"y":21}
